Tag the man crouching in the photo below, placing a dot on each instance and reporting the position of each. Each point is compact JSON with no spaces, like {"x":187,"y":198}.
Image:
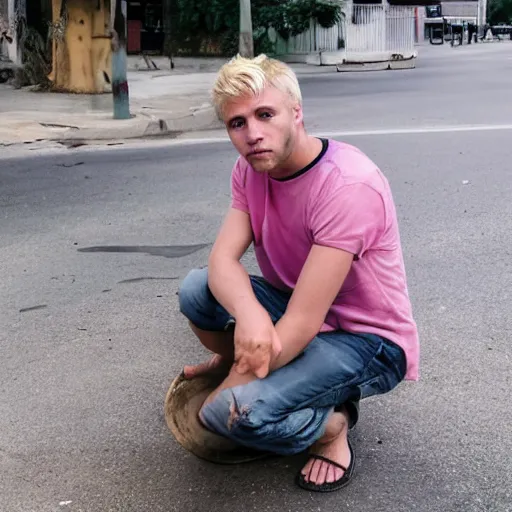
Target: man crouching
{"x":329,"y":322}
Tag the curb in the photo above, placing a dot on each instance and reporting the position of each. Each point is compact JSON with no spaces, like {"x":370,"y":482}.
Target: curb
{"x":345,"y":67}
{"x":200,"y":119}
{"x":104,"y":127}
{"x":147,"y":126}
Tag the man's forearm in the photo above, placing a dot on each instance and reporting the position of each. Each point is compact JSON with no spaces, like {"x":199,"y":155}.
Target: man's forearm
{"x":231,"y":286}
{"x":295,"y":335}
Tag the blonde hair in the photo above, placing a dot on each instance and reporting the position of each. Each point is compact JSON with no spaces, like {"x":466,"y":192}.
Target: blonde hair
{"x":242,"y":77}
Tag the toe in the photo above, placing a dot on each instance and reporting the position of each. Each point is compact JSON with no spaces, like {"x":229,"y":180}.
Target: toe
{"x":331,"y":475}
{"x":307,"y":468}
{"x":322,"y":473}
{"x":315,"y":471}
{"x":187,"y":370}
{"x":190,"y":371}
{"x":338,"y":473}
{"x":319,"y":472}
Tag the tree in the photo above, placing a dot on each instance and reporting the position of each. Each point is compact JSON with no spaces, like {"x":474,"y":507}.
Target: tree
{"x":203,"y":24}
{"x":81,"y":53}
{"x":499,"y":11}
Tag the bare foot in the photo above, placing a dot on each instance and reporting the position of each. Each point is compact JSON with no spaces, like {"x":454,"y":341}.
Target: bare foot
{"x":216,"y":365}
{"x":332,"y":445}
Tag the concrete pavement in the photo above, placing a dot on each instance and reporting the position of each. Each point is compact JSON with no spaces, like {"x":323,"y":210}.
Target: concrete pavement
{"x":160,"y":103}
{"x":91,"y":341}
{"x":163,"y":102}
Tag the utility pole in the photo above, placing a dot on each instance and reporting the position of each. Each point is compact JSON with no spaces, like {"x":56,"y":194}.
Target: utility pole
{"x":168,"y":15}
{"x":483,"y":12}
{"x":246,"y":45}
{"x":120,"y":90}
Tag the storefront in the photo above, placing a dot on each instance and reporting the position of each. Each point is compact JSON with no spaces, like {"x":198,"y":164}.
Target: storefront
{"x":145,"y":26}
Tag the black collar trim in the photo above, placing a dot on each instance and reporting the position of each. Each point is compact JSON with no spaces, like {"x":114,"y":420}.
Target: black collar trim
{"x":325,"y":146}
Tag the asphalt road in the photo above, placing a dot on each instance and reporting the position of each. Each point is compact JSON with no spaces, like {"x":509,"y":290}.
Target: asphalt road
{"x":91,"y":340}
{"x":465,"y":85}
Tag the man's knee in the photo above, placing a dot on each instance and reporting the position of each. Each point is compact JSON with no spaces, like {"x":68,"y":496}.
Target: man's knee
{"x":234,"y":415}
{"x":193,"y":293}
{"x":253,"y":422}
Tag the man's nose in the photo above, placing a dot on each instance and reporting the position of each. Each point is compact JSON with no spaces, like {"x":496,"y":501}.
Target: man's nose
{"x":254,"y":134}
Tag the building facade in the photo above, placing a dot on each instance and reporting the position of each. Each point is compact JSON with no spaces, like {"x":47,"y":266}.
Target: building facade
{"x":145,"y":26}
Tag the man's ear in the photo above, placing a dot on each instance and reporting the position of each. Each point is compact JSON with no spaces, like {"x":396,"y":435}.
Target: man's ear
{"x":298,"y":114}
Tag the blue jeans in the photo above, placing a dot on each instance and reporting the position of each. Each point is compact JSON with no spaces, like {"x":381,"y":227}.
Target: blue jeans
{"x":287,"y":411}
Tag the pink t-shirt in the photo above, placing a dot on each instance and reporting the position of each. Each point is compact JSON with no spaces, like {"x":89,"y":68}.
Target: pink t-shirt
{"x":343,"y":201}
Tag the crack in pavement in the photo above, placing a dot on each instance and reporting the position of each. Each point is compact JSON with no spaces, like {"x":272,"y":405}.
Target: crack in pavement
{"x":167,"y":251}
{"x":139,"y":279}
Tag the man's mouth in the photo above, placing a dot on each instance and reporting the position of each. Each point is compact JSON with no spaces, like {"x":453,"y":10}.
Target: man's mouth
{"x":259,"y":153}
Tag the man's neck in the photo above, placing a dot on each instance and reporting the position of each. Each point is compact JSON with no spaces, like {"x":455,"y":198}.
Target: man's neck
{"x":306,"y":149}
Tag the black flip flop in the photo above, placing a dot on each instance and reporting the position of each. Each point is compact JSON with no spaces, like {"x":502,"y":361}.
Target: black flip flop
{"x":329,"y":486}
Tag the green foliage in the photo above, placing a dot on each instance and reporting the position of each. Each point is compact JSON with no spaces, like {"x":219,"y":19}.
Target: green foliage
{"x":327,"y":13}
{"x":36,"y":53}
{"x":499,"y":11}
{"x":197,"y":22}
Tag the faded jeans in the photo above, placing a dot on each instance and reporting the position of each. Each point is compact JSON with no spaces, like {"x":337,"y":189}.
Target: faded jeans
{"x":287,"y":411}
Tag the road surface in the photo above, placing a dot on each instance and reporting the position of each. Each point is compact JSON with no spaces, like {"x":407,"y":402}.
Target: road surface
{"x":92,"y":337}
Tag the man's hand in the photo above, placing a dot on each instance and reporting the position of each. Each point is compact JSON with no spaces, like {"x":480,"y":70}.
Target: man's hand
{"x":256,"y":340}
{"x":257,"y":344}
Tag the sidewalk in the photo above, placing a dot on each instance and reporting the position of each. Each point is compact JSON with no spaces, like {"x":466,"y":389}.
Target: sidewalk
{"x":162,"y":102}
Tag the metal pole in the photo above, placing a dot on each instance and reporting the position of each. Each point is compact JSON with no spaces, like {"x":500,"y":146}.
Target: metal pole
{"x":484,"y":12}
{"x":167,"y":15}
{"x":246,"y":44}
{"x":478,"y":18}
{"x":120,"y":90}
{"x":481,"y":17}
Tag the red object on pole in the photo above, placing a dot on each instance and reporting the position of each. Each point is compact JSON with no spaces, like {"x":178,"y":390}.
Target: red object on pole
{"x":416,"y":26}
{"x":133,"y":43}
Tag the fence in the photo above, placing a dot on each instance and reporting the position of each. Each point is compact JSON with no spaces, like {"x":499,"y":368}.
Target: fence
{"x":400,"y":29}
{"x":316,"y":39}
{"x":380,"y":29}
{"x":365,"y":29}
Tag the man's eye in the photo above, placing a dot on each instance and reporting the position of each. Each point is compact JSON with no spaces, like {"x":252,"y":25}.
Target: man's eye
{"x":266,"y":115}
{"x":239,"y":123}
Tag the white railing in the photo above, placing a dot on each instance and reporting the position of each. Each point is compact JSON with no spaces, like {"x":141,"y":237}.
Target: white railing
{"x":400,"y":32}
{"x":329,"y":39}
{"x":366,"y":29}
{"x":315,"y":39}
{"x":380,"y":29}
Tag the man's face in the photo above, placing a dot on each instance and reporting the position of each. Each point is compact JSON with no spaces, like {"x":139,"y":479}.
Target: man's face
{"x":263,"y":128}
